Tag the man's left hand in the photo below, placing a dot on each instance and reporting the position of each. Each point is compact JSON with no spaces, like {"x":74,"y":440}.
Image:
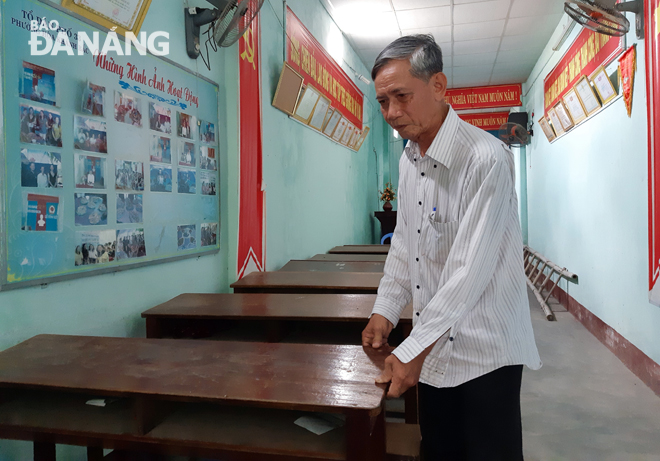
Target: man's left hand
{"x":403,"y":376}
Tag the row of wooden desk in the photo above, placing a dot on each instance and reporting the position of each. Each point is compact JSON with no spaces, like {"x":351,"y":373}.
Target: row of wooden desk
{"x":290,"y":347}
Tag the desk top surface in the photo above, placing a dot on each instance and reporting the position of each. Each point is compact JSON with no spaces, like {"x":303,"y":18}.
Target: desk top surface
{"x":292,"y":376}
{"x":361,"y":249}
{"x":333,"y":266}
{"x":346,"y":257}
{"x":313,"y":280}
{"x":322,"y":307}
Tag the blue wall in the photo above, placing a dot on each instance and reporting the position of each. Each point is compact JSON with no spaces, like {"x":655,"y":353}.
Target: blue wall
{"x":587,"y":205}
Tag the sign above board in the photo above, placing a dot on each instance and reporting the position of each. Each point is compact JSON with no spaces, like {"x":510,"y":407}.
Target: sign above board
{"x":486,"y":121}
{"x":485,"y":97}
{"x":306,"y":55}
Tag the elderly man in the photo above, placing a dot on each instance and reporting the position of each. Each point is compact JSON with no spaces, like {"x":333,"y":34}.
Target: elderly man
{"x":457,"y":254}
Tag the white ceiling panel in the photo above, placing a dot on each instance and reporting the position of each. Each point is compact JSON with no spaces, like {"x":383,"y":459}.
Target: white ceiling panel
{"x":424,"y":17}
{"x":478,"y":30}
{"x":483,"y":41}
{"x":481,"y":12}
{"x":440,"y":34}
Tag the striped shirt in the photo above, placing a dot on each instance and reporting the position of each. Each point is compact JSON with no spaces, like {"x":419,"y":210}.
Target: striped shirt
{"x":457,"y":252}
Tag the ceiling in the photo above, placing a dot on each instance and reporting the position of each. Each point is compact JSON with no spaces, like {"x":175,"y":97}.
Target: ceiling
{"x":484,"y":42}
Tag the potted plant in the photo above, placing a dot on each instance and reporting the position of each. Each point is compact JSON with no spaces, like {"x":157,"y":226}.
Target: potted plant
{"x":388,"y":195}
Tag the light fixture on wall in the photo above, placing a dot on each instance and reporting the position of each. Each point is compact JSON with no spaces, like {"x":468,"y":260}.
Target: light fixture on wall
{"x":568,"y":28}
{"x":363,"y":78}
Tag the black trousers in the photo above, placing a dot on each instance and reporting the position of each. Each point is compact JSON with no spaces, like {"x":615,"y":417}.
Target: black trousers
{"x":476,"y":421}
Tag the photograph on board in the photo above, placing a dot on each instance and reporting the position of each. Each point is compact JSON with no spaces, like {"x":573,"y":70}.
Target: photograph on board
{"x":91,"y":209}
{"x":186,"y":153}
{"x":127,"y":109}
{"x":161,"y":150}
{"x":186,"y":181}
{"x":130,"y":244}
{"x":40,"y":126}
{"x":95,"y":247}
{"x":209,"y":234}
{"x":41,"y":213}
{"x":186,"y":237}
{"x":90,"y":135}
{"x":38,"y":84}
{"x":207,"y":132}
{"x":185,"y":125}
{"x":207,"y":159}
{"x":89,"y":172}
{"x":160,"y":118}
{"x":93,"y":99}
{"x":207,"y":180}
{"x":129,"y":208}
{"x":160,"y":178}
{"x":129,"y":175}
{"x":41,"y":169}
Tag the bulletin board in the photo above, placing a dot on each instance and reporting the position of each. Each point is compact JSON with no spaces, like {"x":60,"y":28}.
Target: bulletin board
{"x":107,"y":163}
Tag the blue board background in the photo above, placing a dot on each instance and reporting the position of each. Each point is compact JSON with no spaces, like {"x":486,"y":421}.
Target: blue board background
{"x":32,"y":257}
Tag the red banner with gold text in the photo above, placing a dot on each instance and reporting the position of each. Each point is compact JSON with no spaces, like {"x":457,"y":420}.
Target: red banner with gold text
{"x":485,"y":97}
{"x":486,"y":121}
{"x":306,"y":55}
{"x":589,"y":51}
{"x":251,"y":249}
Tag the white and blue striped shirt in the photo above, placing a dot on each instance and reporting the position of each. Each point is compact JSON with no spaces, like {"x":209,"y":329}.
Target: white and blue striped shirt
{"x":461,"y":264}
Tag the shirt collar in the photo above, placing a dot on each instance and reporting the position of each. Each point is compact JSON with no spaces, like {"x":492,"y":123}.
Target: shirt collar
{"x":441,"y":149}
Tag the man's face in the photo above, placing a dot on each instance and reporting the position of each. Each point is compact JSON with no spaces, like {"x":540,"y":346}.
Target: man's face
{"x":32,"y":166}
{"x":408,"y":104}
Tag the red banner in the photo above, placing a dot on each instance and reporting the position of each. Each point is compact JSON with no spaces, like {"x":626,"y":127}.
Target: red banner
{"x":485,"y":97}
{"x":309,"y":58}
{"x":627,"y":69}
{"x":589,"y":51}
{"x":486,"y":121}
{"x":651,"y":12}
{"x":251,"y":249}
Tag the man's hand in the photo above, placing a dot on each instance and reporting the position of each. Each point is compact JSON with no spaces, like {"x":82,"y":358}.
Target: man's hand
{"x":376,"y":332}
{"x":403,"y":376}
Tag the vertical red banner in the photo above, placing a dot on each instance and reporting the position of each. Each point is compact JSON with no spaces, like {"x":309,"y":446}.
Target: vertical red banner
{"x":251,"y":248}
{"x":651,"y":17}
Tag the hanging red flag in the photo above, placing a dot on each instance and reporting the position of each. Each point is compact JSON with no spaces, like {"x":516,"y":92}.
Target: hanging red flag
{"x":627,"y":68}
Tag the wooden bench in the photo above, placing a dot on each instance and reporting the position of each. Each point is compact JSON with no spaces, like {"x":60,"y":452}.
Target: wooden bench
{"x":361,"y":249}
{"x":333,"y":266}
{"x":309,"y":282}
{"x":347,"y":257}
{"x":192,"y":398}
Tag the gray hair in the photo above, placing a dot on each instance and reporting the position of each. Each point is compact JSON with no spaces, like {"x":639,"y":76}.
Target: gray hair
{"x":421,"y":50}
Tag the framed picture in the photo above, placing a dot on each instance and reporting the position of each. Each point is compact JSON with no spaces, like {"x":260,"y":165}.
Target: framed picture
{"x":556,"y":124}
{"x":587,"y":96}
{"x":547,"y":129}
{"x":306,"y":104}
{"x":603,"y":85}
{"x":288,"y":90}
{"x":363,"y":136}
{"x":333,"y":120}
{"x":564,"y":117}
{"x":354,"y":139}
{"x":348,"y":134}
{"x":339,"y":131}
{"x":574,"y":106}
{"x":120,"y":15}
{"x":317,"y":121}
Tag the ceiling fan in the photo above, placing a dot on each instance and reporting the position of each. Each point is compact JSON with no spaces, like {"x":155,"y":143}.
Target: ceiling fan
{"x":606,"y":16}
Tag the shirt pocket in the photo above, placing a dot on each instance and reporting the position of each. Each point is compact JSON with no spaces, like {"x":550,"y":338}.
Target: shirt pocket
{"x":441,"y":237}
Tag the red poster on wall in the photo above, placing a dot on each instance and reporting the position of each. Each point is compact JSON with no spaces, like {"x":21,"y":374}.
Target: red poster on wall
{"x":485,"y":97}
{"x":306,"y":55}
{"x":652,"y":11}
{"x":486,"y":121}
{"x":251,"y":233}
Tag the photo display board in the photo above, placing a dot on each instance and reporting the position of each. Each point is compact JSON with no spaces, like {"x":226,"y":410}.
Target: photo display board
{"x":109,"y":162}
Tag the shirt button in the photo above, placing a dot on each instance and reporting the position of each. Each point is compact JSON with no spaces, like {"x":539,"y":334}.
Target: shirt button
{"x":418,"y":289}
{"x":419,"y":231}
{"x":422,"y":174}
{"x":420,"y":203}
{"x":435,"y":166}
{"x":417,"y":314}
{"x":451,"y":338}
{"x":417,"y":259}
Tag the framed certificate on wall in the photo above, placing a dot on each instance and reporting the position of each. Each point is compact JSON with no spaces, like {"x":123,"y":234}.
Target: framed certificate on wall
{"x":361,"y":139}
{"x":319,"y":114}
{"x":339,"y":131}
{"x":574,"y":106}
{"x":564,"y":117}
{"x":556,"y":124}
{"x":332,"y":122}
{"x":125,"y":15}
{"x":306,"y":104}
{"x":288,"y":90}
{"x":547,"y":129}
{"x":587,"y":96}
{"x":603,"y":85}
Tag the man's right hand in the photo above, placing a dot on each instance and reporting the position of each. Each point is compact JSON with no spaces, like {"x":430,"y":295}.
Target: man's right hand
{"x":376,"y":332}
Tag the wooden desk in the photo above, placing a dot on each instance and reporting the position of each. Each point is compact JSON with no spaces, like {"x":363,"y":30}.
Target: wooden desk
{"x":333,"y":266}
{"x":309,"y":282}
{"x":361,"y":249}
{"x":192,"y":398}
{"x":346,"y":257}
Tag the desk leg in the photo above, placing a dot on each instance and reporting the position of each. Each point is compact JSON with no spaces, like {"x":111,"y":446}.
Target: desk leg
{"x":411,"y":410}
{"x":44,"y":451}
{"x":94,"y":454}
{"x":365,"y":436}
{"x":154,"y":329}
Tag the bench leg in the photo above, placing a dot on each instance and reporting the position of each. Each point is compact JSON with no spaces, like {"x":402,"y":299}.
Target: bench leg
{"x":365,"y":436}
{"x":44,"y":451}
{"x":94,"y":454}
{"x":411,"y":410}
